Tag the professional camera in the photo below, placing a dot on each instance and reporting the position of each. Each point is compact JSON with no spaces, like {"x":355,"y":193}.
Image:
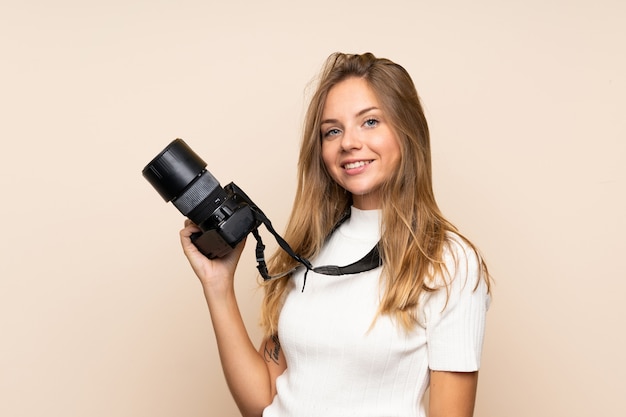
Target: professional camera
{"x":225,"y":215}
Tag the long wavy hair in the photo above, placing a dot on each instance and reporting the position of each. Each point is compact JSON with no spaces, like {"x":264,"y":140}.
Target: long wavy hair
{"x":415,"y":232}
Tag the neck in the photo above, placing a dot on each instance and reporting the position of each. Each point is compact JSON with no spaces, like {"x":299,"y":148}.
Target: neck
{"x":366,"y":202}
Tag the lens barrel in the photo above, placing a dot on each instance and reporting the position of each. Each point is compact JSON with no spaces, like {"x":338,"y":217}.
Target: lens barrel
{"x":179,"y":175}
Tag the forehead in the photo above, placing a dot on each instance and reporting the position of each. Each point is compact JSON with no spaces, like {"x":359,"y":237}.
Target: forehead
{"x":350,"y":96}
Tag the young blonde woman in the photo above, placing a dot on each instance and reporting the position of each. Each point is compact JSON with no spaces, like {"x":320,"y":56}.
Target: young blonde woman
{"x":371,"y":343}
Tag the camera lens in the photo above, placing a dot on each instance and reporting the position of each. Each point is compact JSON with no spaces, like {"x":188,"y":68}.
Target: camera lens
{"x":179,"y":175}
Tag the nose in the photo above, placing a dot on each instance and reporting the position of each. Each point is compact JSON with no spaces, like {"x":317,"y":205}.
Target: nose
{"x":350,"y":139}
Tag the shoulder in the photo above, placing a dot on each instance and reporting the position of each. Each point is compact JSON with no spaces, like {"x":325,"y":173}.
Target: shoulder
{"x":459,"y":290}
{"x":461,"y":261}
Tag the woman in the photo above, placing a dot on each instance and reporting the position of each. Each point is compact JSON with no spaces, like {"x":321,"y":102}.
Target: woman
{"x":367,"y":344}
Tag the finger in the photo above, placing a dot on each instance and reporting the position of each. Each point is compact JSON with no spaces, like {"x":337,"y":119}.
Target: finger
{"x":186,"y":232}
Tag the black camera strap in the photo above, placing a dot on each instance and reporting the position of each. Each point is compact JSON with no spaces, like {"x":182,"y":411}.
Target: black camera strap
{"x":370,"y":261}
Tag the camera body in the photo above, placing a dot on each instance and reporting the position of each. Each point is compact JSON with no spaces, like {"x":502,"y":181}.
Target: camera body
{"x":225,"y":216}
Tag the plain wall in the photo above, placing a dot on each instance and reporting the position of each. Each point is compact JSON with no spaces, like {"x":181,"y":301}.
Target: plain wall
{"x":100,"y":314}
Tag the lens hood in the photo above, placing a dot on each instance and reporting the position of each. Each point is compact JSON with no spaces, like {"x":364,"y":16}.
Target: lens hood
{"x":171,"y":171}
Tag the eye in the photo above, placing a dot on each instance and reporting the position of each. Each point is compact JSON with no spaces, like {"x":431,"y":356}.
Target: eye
{"x":371,"y":122}
{"x":331,"y":132}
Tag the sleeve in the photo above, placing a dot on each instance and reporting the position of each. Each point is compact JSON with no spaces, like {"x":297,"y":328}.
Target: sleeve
{"x":455,"y":313}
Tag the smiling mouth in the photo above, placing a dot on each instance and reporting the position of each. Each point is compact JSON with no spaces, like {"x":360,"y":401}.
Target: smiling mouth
{"x":353,"y":165}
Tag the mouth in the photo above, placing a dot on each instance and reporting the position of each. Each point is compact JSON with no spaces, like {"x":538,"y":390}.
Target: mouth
{"x":357,"y":164}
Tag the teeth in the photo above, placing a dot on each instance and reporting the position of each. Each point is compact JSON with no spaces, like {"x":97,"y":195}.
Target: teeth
{"x":356,"y":164}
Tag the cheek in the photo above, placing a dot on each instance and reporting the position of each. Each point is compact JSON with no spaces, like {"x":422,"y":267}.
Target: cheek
{"x":328,"y":156}
{"x":393,"y":150}
{"x":394,"y":160}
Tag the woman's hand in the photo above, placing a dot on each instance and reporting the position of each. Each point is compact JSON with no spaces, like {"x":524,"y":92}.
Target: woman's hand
{"x":215,"y":274}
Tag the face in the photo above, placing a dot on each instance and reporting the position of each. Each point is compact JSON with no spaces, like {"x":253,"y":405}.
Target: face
{"x":359,"y":148}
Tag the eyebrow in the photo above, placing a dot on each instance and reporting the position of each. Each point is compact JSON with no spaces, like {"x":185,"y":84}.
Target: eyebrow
{"x":360,"y":113}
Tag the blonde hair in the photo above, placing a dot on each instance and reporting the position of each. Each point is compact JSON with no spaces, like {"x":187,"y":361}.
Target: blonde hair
{"x":415,"y":232}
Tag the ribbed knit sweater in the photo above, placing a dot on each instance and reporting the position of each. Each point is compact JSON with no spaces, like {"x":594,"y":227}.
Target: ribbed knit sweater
{"x":339,"y":365}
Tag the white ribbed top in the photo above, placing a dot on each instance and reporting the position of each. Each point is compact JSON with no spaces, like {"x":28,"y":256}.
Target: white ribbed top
{"x":336,"y":367}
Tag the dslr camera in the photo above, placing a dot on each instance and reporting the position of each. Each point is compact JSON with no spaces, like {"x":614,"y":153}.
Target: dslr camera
{"x":225,"y":215}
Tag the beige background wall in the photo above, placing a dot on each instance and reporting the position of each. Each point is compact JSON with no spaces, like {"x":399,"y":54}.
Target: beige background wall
{"x":101,"y":316}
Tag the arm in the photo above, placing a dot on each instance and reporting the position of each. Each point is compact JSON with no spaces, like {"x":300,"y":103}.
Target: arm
{"x":247,"y":373}
{"x":275,"y":360}
{"x":456,"y":324}
{"x":452,"y":394}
